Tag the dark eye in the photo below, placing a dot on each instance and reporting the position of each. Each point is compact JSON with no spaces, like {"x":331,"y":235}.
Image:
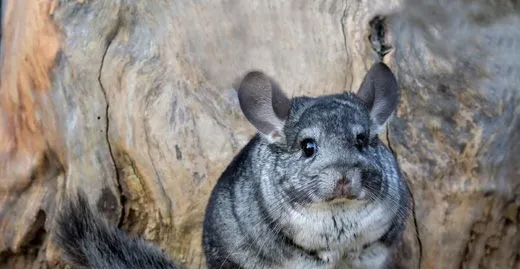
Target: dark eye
{"x":309,"y":147}
{"x":361,"y":141}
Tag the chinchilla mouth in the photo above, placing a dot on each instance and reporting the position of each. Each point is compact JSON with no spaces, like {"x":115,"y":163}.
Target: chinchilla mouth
{"x":334,"y":202}
{"x":337,"y":201}
{"x":341,"y":199}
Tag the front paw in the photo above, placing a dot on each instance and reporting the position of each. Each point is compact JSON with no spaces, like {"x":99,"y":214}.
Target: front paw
{"x":373,"y":257}
{"x":330,"y":256}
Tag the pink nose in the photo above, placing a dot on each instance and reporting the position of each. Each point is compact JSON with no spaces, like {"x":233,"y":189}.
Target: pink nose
{"x":342,"y":187}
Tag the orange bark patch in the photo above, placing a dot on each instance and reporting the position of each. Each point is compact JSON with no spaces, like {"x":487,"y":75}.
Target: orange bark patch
{"x":27,"y":120}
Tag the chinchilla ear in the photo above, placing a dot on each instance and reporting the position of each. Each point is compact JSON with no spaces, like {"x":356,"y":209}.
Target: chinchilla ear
{"x":264,"y":104}
{"x":380,"y":92}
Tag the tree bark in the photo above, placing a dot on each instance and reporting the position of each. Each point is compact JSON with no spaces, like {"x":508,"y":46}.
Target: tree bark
{"x":135,"y":103}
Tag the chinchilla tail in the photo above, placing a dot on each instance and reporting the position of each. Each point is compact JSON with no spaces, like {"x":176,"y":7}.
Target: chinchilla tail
{"x":88,"y":241}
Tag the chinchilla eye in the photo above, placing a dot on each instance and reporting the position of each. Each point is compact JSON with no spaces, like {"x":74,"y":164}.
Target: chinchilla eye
{"x":309,"y":147}
{"x":361,"y":141}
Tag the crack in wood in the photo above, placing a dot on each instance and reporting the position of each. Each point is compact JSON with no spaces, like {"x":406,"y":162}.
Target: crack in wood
{"x":342,"y":23}
{"x":110,"y":38}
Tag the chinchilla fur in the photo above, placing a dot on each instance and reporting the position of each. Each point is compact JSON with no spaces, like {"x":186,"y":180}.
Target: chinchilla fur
{"x":315,"y":188}
{"x":87,"y":240}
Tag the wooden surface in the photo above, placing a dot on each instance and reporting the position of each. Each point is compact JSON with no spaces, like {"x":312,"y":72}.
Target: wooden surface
{"x":140,"y":112}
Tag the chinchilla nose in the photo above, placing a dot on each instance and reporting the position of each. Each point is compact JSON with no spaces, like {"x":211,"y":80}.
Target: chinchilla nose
{"x":342,"y":187}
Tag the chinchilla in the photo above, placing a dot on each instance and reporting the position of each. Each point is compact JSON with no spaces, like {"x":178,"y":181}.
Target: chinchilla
{"x":315,"y":187}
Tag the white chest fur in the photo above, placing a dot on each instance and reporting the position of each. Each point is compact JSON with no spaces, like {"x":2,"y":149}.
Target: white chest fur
{"x":340,"y":233}
{"x":374,"y":257}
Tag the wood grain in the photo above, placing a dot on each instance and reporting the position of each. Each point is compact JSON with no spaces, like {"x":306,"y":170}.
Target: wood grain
{"x":145,"y":115}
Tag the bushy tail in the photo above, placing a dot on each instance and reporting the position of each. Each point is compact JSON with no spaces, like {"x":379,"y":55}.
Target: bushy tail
{"x":88,"y":241}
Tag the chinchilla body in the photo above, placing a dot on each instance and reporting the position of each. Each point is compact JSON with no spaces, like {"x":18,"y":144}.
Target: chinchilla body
{"x":315,"y":187}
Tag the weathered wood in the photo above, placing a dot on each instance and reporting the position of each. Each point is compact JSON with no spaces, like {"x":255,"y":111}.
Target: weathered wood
{"x":457,"y":132}
{"x":144,"y":116}
{"x":31,"y":149}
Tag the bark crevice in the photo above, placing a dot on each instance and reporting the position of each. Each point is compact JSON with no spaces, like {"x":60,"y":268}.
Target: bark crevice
{"x":344,"y":34}
{"x":110,"y":38}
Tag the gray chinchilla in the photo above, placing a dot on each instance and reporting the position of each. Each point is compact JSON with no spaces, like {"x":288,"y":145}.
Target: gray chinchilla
{"x":315,"y":187}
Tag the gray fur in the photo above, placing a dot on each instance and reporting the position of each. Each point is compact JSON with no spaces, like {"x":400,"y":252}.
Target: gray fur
{"x":272,"y":206}
{"x":88,"y":241}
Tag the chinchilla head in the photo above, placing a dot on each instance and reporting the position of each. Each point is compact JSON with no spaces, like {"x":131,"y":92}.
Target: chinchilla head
{"x":322,"y":149}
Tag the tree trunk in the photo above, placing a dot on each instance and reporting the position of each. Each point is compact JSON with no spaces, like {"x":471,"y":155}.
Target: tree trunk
{"x":134,"y":102}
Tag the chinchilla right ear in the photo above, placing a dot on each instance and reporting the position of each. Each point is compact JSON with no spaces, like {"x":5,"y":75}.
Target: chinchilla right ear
{"x":380,"y":93}
{"x":264,"y":104}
